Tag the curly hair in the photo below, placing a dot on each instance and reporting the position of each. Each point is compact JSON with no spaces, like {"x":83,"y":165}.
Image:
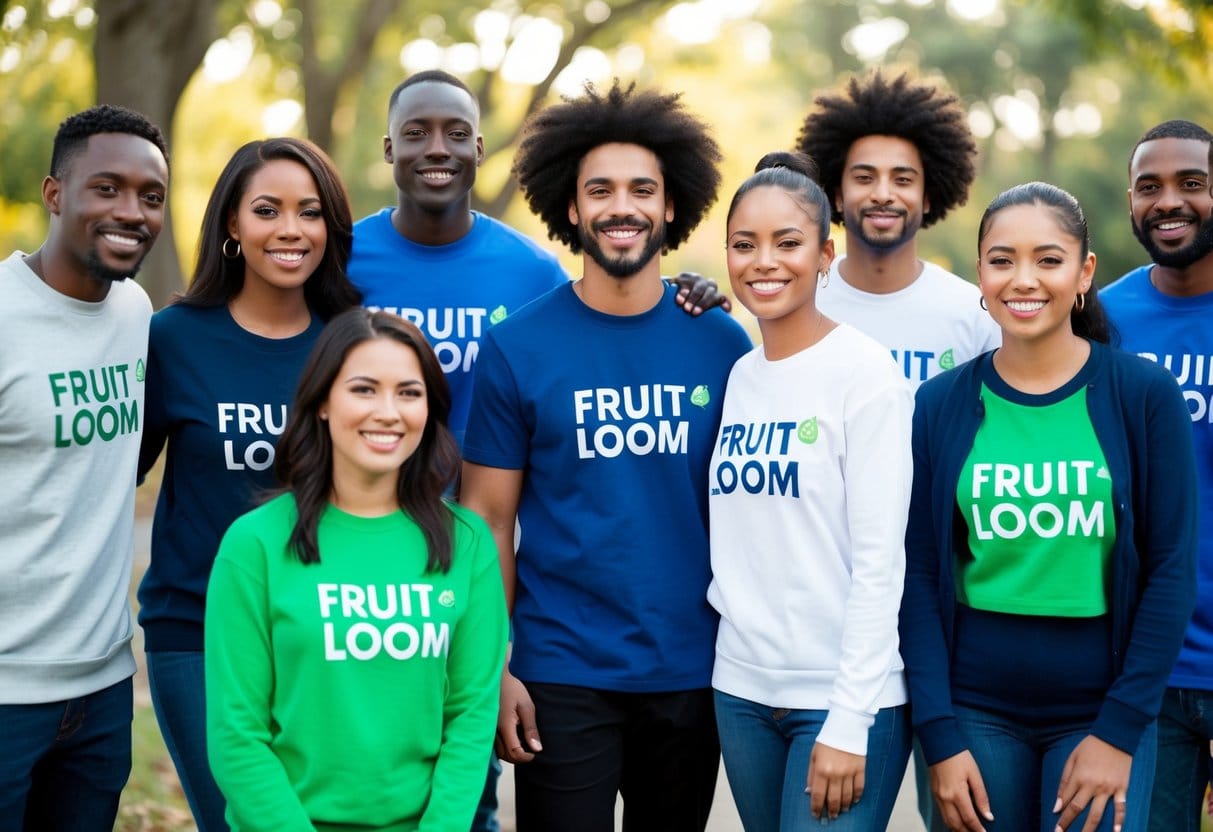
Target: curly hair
{"x":74,"y":132}
{"x":556,"y":139}
{"x":928,"y":118}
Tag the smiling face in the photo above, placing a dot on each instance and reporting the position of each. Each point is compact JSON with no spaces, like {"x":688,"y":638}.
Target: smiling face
{"x":620,"y":208}
{"x":1169,"y":200}
{"x":434,"y":146}
{"x":108,"y":207}
{"x":774,"y":256}
{"x":280,"y":225}
{"x":376,"y":412}
{"x":1031,"y":272}
{"x":882,"y":196}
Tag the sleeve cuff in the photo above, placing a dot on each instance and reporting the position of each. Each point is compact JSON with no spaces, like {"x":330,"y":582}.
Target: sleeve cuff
{"x":846,"y":730}
{"x":941,"y":739}
{"x":1120,"y":725}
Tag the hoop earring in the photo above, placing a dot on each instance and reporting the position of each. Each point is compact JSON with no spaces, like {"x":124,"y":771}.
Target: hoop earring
{"x":1080,"y":302}
{"x":823,"y":279}
{"x":981,"y":301}
{"x":230,"y":255}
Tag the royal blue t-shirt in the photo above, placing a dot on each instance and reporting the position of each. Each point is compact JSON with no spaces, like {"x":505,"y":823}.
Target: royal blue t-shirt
{"x":612,"y":419}
{"x":1178,"y":334}
{"x":453,"y":292}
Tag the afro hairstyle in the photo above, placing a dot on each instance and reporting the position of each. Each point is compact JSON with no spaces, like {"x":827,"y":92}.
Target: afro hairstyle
{"x":557,"y":138}
{"x":931,"y":120}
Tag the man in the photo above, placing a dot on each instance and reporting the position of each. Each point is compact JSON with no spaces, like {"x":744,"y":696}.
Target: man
{"x":593,"y":418}
{"x":894,"y":157}
{"x":1164,"y":311}
{"x":73,"y":345}
{"x":450,"y":270}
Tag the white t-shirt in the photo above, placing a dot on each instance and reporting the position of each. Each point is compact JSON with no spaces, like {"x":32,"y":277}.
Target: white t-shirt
{"x":932,"y":325}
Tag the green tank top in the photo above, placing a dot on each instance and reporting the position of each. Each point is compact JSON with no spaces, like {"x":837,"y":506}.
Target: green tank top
{"x":1036,"y":496}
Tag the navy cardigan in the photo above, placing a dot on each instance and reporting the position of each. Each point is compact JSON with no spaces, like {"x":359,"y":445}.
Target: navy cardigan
{"x":1144,"y":429}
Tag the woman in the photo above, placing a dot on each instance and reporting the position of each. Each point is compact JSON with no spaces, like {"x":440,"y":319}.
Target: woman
{"x":809,"y":486}
{"x":355,"y":624}
{"x":1050,"y":545}
{"x":223,"y":363}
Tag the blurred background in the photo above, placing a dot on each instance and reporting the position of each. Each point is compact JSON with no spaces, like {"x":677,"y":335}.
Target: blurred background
{"x":1058,"y":90}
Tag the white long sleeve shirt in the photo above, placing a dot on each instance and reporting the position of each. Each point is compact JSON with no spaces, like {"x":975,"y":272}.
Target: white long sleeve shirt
{"x":810,"y":486}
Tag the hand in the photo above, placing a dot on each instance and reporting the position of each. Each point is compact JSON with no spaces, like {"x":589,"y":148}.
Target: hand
{"x":697,"y":294}
{"x":516,"y":723}
{"x":835,"y":781}
{"x":960,"y":793}
{"x":1094,"y":773}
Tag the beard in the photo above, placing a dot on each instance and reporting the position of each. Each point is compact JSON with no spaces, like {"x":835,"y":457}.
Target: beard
{"x":624,"y":266}
{"x":889,"y":240}
{"x":1178,"y":258}
{"x":103,"y":273}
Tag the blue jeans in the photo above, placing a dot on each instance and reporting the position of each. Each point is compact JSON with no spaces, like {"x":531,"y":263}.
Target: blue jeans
{"x":485,"y":819}
{"x":179,"y":698}
{"x":766,"y":757}
{"x":1185,"y":727}
{"x":1021,"y":768}
{"x":63,"y":764}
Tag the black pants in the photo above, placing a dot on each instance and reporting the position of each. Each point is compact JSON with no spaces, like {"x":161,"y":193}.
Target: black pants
{"x":659,"y":750}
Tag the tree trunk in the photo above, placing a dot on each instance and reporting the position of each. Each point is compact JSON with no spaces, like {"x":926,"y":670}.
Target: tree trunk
{"x":145,"y":53}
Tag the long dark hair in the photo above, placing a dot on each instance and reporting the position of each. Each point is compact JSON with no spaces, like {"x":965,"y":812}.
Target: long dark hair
{"x":217,"y":279}
{"x":1090,"y":322}
{"x":304,"y":461}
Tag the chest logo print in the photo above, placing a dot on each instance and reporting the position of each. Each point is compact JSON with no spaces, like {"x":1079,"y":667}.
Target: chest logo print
{"x":947,"y":361}
{"x":806,"y":431}
{"x":700,"y":396}
{"x":498,"y":315}
{"x":447,"y":598}
{"x":140,"y":370}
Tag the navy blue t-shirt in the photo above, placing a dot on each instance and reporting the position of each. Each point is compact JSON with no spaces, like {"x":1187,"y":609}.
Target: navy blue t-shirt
{"x":218,"y":395}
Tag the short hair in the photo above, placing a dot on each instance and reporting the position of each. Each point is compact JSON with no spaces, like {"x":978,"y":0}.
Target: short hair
{"x":1091,"y":321}
{"x":1176,"y":128}
{"x":304,"y":459}
{"x":219,"y":278}
{"x":796,"y":175}
{"x":429,"y":76}
{"x":556,"y":139}
{"x":74,"y":132}
{"x":928,"y":118}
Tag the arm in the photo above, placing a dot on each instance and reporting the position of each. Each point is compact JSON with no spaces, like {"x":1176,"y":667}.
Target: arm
{"x":239,"y":691}
{"x":473,"y":672}
{"x":493,"y":493}
{"x":155,"y":416}
{"x":1165,"y":519}
{"x":697,"y":294}
{"x":876,"y":477}
{"x":955,"y":779}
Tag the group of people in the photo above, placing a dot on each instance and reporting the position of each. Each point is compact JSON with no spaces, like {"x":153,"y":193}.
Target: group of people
{"x":427,"y":503}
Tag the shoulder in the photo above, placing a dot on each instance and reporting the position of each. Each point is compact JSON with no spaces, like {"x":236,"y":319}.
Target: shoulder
{"x":273,"y":518}
{"x":551,"y":308}
{"x":129,"y":297}
{"x":1127,"y":284}
{"x":373,"y":223}
{"x":960,"y":383}
{"x":1133,"y":372}
{"x":468,"y":524}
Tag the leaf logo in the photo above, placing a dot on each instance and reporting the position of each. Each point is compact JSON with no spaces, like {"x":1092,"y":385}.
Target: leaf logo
{"x":140,"y":370}
{"x":947,"y":361}
{"x":447,"y":598}
{"x":700,"y":396}
{"x":498,"y":315}
{"x":806,"y":432}
{"x":1102,"y":473}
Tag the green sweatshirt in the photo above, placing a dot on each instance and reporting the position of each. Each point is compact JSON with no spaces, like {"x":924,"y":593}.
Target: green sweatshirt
{"x":357,"y":693}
